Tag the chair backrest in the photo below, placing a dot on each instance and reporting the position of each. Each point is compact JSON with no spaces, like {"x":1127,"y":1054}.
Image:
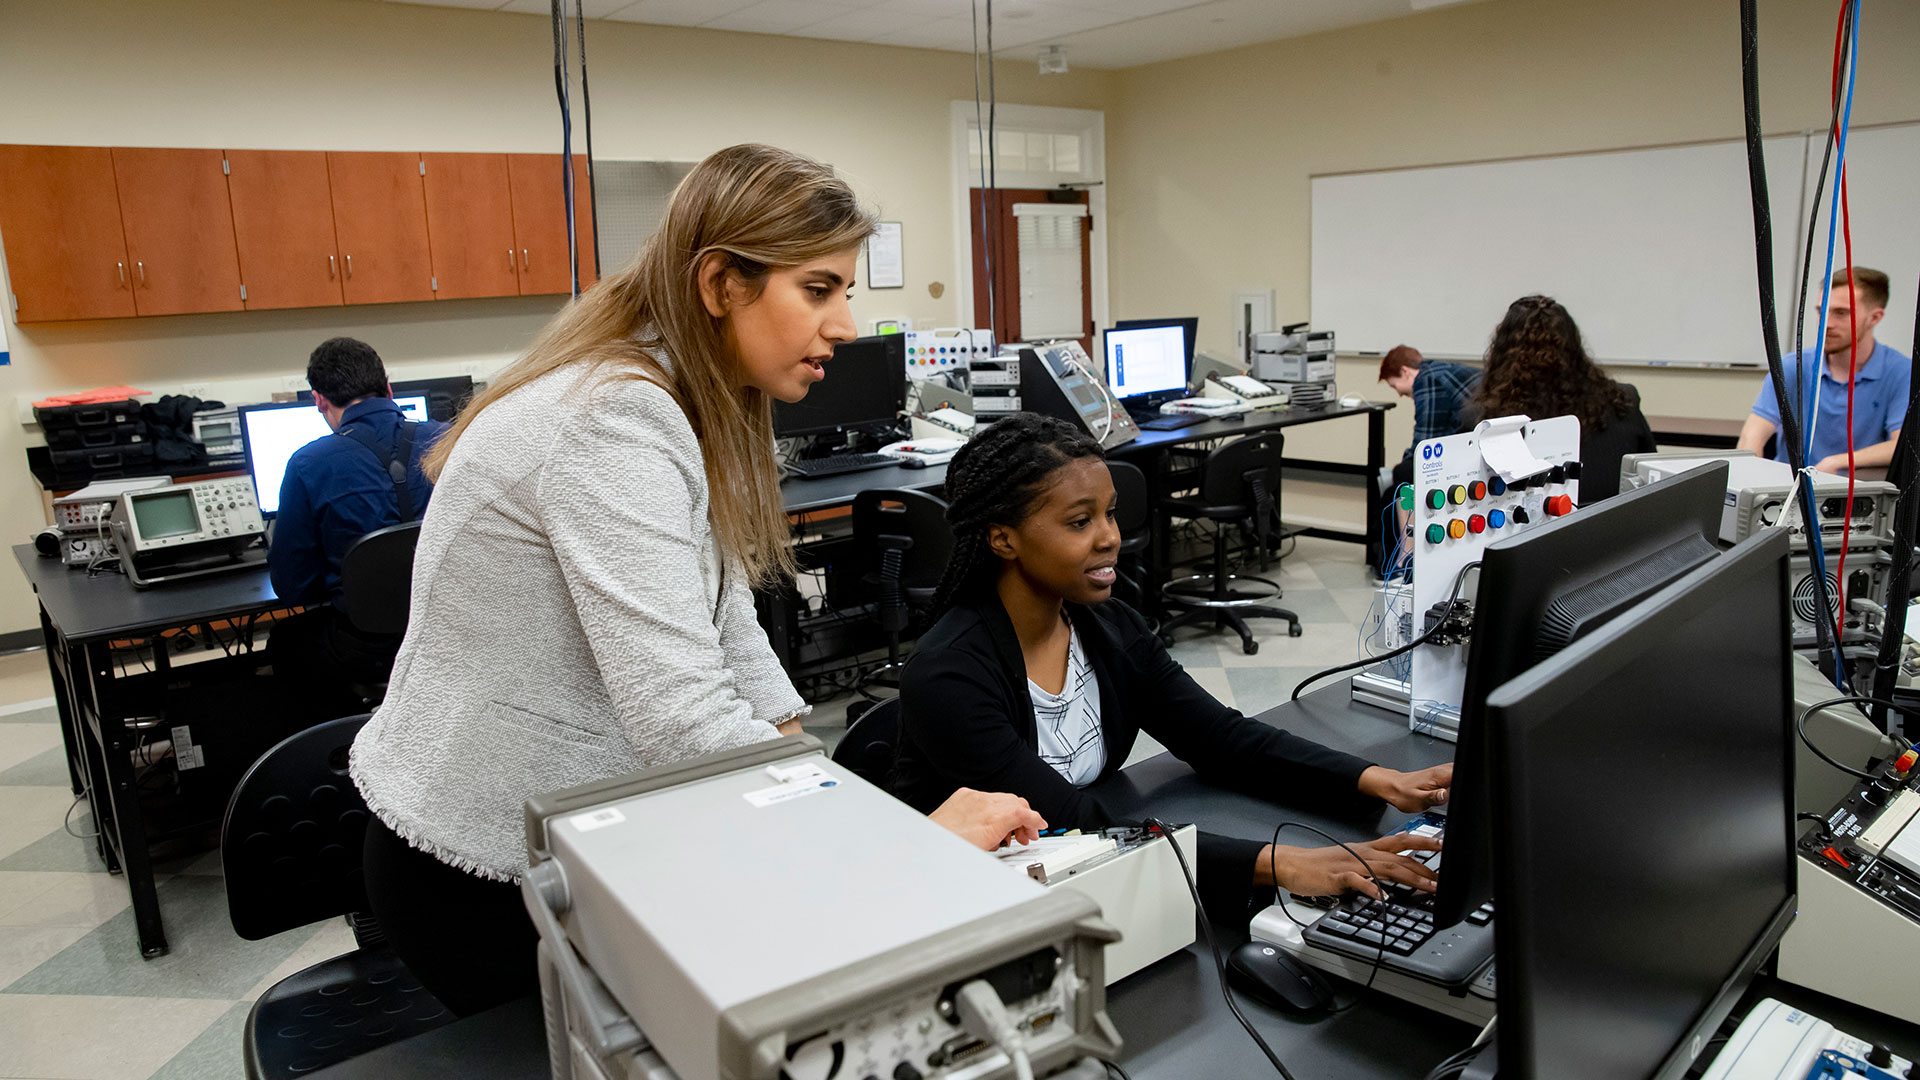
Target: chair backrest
{"x":376,"y":578}
{"x":290,"y":846}
{"x":883,"y":516}
{"x":1223,"y":482}
{"x":1134,"y":504}
{"x":867,"y":750}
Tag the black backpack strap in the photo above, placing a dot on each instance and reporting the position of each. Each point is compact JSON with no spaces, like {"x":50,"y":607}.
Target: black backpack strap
{"x":396,"y":465}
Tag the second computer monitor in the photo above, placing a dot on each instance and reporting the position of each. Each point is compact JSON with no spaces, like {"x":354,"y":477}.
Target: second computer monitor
{"x":1643,"y":781}
{"x":866,"y":385}
{"x":271,"y":433}
{"x":1145,"y":363}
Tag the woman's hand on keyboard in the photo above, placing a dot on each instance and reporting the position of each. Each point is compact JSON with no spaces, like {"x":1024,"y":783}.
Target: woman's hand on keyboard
{"x":1410,"y":792}
{"x":1329,"y":871}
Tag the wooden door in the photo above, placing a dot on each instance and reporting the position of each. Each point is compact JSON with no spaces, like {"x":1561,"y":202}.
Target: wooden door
{"x":540,"y":223}
{"x":283,"y":227}
{"x":380,"y":223}
{"x":996,"y":207}
{"x":470,"y":226}
{"x":60,"y":220}
{"x":179,"y":229}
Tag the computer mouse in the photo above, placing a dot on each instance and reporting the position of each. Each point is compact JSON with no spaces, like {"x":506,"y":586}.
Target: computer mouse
{"x":1269,"y":975}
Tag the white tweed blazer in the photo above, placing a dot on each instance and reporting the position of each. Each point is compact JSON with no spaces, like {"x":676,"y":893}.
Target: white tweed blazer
{"x":572,"y":621}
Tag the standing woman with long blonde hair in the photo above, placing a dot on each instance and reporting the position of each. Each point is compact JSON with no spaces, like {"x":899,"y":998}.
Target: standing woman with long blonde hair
{"x":582,"y":601}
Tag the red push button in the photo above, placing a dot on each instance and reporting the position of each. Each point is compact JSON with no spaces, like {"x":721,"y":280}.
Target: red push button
{"x":1476,"y":524}
{"x":1476,"y":490}
{"x":1559,"y":506}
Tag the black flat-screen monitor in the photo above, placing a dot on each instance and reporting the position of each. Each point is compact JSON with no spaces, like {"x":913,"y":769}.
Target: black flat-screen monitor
{"x":444,"y":397}
{"x":866,"y":385}
{"x":1628,"y":925}
{"x":1538,"y":592}
{"x":1148,"y":361}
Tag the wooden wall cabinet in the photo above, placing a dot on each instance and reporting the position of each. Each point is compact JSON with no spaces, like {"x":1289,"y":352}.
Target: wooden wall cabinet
{"x":470,"y":225}
{"x":60,"y":219}
{"x":540,"y":223}
{"x":380,"y":223}
{"x":179,"y":230}
{"x":283,"y":227}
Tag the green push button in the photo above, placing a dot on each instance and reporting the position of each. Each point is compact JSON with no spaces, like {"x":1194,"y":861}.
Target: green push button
{"x":1436,"y":533}
{"x":1437,"y":499}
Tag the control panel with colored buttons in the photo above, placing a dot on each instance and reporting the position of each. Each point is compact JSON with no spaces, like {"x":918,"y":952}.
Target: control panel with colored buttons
{"x":930,"y":352}
{"x":1456,"y":508}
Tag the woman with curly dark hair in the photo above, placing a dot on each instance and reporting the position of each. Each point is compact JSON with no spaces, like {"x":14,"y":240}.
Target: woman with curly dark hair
{"x":1537,"y":365}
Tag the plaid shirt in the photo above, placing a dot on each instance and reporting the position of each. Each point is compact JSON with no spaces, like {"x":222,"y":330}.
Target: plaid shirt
{"x":1440,"y":391}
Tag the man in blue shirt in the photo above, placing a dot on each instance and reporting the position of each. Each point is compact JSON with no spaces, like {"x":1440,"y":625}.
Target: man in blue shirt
{"x":1440,"y":390}
{"x":1882,"y":378}
{"x":337,"y":489}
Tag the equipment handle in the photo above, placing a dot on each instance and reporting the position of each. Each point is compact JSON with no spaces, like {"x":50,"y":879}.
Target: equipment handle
{"x":609,"y":1029}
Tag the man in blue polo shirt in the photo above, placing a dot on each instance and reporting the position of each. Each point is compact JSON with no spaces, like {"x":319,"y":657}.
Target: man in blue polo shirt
{"x":337,"y":489}
{"x":1881,"y":380}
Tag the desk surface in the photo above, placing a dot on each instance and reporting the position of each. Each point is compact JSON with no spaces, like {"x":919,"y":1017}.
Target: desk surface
{"x":106,"y":605}
{"x":1257,"y":420}
{"x":800,"y":494}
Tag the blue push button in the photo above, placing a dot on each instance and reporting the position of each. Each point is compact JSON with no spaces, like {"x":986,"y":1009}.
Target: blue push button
{"x":1497,"y":518}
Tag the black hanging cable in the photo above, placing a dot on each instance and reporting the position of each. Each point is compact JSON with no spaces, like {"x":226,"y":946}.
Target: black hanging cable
{"x":561,"y":90}
{"x":1906,"y":520}
{"x":1813,"y":220}
{"x":586,"y":107}
{"x":987,"y":219}
{"x":1769,"y":328}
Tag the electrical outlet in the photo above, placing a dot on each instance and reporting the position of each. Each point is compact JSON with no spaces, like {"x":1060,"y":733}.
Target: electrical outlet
{"x":295,"y":383}
{"x":199,"y":390}
{"x":926,"y":324}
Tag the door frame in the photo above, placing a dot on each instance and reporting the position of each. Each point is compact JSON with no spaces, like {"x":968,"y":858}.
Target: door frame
{"x":1091,"y":126}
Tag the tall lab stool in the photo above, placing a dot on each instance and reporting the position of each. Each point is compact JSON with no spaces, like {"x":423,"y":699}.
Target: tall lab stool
{"x":1239,"y":485}
{"x":902,"y":536}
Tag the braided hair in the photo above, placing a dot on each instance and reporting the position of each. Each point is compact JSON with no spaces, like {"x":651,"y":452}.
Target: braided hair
{"x":995,"y":480}
{"x":1537,"y":364}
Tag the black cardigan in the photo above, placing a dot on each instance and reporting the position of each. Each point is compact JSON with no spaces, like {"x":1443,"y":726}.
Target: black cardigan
{"x":967,"y":721}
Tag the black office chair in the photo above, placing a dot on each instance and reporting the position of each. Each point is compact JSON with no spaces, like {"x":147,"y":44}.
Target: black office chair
{"x":903,"y":535}
{"x":1239,"y":487}
{"x":376,"y":584}
{"x":1135,"y":507}
{"x":868,"y":747}
{"x":290,"y":848}
{"x":376,"y":578}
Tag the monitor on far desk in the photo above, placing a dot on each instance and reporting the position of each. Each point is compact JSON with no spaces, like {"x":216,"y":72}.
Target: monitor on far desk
{"x":271,"y":433}
{"x":866,"y":386}
{"x":1148,"y":364}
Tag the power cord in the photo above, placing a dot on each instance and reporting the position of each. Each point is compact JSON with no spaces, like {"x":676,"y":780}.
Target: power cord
{"x":1800,"y":726}
{"x":1213,"y":946}
{"x":984,"y":1016}
{"x":1380,"y":951}
{"x":1453,"y":595}
{"x":1114,"y":1069}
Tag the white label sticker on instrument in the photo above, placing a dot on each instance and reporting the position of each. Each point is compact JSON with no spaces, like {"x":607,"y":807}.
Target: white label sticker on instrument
{"x":597,"y":819}
{"x":779,"y":793}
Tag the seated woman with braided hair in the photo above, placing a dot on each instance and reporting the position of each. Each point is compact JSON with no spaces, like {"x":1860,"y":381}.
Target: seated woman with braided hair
{"x":1035,"y":682}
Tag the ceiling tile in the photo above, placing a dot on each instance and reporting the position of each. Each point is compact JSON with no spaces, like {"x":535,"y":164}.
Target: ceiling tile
{"x":452,"y":3}
{"x":951,"y":34}
{"x":865,"y":25}
{"x":779,"y":16}
{"x":594,"y":9}
{"x":678,"y":12}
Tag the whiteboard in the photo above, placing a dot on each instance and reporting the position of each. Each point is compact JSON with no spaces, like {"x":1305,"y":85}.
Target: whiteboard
{"x":1651,"y":250}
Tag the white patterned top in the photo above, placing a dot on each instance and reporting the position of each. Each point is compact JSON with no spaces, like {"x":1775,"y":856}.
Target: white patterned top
{"x":1068,"y":723}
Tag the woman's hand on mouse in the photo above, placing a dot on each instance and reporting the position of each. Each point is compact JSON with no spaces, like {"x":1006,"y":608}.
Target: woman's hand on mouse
{"x":1409,"y":792}
{"x":1329,"y":871}
{"x":989,"y":819}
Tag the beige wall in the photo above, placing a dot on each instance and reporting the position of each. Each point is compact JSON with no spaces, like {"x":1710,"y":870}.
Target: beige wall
{"x":1209,"y":158}
{"x":353,"y":74}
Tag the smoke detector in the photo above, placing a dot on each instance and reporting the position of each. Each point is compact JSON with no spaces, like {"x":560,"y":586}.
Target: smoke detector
{"x":1053,"y":60}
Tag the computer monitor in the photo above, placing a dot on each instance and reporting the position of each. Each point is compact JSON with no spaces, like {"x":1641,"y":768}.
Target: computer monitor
{"x":1189,"y":324}
{"x":866,"y":385}
{"x":1149,"y":363}
{"x":271,"y":433}
{"x":1628,"y":925}
{"x":1540,"y":591}
{"x":445,"y":397}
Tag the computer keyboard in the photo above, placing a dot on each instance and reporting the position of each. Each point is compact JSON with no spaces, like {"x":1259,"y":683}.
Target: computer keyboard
{"x":1170,"y":421}
{"x":839,"y":463}
{"x":1400,"y":931}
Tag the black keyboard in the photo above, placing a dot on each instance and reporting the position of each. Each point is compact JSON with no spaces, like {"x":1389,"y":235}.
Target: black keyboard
{"x":1399,"y":930}
{"x":1170,"y":421}
{"x":840,"y":463}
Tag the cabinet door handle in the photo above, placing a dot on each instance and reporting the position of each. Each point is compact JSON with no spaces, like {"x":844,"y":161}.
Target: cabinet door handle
{"x":333,"y":267}
{"x":349,"y":268}
{"x":523,"y":259}
{"x":122,"y":267}
{"x":142,"y":268}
